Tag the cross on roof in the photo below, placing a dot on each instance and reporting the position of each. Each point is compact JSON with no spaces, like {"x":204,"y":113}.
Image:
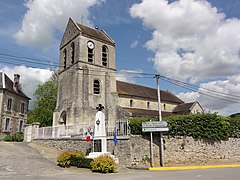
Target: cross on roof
{"x":100,"y":107}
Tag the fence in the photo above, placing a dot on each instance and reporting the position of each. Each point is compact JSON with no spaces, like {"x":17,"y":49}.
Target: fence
{"x":78,"y":130}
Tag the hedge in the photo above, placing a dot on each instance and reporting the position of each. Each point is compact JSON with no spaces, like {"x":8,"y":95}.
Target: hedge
{"x":203,"y":126}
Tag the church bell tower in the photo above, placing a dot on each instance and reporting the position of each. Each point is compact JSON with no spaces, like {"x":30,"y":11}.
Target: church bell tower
{"x":87,"y":76}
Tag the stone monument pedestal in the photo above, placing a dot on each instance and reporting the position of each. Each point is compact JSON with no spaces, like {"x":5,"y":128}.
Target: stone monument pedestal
{"x":100,"y":135}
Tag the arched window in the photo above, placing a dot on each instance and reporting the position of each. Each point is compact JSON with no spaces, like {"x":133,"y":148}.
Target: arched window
{"x":104,"y":55}
{"x":96,"y":87}
{"x":148,"y":105}
{"x":64,"y":58}
{"x":72,"y":52}
{"x":90,"y":46}
{"x":63,"y":118}
{"x":131,"y":103}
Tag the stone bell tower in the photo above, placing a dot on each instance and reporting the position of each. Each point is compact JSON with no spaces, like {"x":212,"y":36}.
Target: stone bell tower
{"x":87,"y":76}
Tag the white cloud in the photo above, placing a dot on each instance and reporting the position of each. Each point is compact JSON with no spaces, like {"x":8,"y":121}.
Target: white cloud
{"x":226,"y":102}
{"x":129,"y":75}
{"x":44,"y":17}
{"x":29,"y":77}
{"x":191,"y":40}
{"x":134,"y":44}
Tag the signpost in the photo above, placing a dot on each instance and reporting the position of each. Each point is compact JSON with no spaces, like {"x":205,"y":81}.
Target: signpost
{"x":154,"y":126}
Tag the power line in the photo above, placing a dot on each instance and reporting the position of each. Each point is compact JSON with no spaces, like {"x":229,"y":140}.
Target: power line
{"x":206,"y":94}
{"x":211,"y":93}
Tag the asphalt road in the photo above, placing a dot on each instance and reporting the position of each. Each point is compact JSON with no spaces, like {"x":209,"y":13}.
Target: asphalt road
{"x":20,"y":162}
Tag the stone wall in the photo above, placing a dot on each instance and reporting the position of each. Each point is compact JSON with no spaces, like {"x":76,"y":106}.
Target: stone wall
{"x":135,"y":151}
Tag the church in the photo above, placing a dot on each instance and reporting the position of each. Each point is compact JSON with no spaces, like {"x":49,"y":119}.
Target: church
{"x":87,"y":78}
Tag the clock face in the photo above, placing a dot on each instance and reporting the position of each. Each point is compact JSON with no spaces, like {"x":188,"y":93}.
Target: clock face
{"x":90,"y":45}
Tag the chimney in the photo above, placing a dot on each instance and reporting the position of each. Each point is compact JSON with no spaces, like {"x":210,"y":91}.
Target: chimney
{"x":16,"y":82}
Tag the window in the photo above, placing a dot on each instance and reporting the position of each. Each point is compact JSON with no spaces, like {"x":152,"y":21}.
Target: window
{"x":9,"y":104}
{"x":96,"y":87}
{"x":104,"y":55}
{"x":164,"y":106}
{"x":22,"y":108}
{"x":131,"y":103}
{"x":148,"y":105}
{"x":72,"y":52}
{"x":64,"y":58}
{"x":90,"y":46}
{"x":20,"y":129}
{"x":7,"y":124}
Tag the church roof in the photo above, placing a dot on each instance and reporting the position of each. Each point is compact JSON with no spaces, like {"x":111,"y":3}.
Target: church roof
{"x":184,"y":107}
{"x":128,"y":89}
{"x":95,"y":33}
{"x":7,"y":84}
{"x":146,"y":113}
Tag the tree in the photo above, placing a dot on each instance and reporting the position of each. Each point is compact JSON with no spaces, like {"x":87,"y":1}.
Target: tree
{"x":46,"y":97}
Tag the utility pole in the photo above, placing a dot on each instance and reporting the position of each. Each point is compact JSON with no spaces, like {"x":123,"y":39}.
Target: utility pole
{"x":157,"y":76}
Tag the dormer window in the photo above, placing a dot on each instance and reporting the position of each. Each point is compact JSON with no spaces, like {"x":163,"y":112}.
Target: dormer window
{"x":90,"y":46}
{"x":104,"y":55}
{"x":64,"y":58}
{"x":72,"y":52}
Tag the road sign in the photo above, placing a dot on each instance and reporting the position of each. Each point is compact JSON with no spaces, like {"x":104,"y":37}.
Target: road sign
{"x":154,"y":124}
{"x":153,"y":129}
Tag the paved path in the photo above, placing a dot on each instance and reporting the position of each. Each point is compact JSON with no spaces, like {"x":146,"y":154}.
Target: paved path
{"x":18,"y":161}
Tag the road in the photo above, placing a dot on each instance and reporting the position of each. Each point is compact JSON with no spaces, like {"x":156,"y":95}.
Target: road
{"x":20,"y":162}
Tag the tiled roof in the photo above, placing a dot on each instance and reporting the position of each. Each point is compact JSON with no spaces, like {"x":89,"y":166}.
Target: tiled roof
{"x":146,"y":113}
{"x":99,"y":34}
{"x":128,"y":89}
{"x":8,"y":85}
{"x":183,"y":107}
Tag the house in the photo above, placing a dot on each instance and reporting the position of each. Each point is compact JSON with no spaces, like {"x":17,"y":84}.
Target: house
{"x":13,"y":105}
{"x":87,"y":78}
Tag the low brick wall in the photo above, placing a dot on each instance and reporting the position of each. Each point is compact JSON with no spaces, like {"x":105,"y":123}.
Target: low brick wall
{"x":135,"y":150}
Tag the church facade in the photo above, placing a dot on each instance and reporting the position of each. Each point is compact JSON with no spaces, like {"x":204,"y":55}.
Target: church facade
{"x":87,"y":78}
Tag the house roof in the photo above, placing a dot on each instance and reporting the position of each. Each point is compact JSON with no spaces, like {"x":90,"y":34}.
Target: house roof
{"x":95,"y":33}
{"x":184,"y":107}
{"x":7,"y":84}
{"x":128,"y":89}
{"x":146,"y":113}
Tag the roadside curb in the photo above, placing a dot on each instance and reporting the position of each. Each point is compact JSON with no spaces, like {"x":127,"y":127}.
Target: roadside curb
{"x":180,"y":168}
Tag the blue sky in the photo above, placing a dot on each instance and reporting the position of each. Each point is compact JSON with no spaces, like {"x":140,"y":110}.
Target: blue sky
{"x":195,"y":42}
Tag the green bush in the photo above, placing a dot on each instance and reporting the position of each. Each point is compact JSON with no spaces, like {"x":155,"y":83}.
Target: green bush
{"x":203,"y":126}
{"x":235,"y":127}
{"x":64,"y":158}
{"x":18,"y":137}
{"x":8,"y":137}
{"x":103,"y":164}
{"x":80,"y":162}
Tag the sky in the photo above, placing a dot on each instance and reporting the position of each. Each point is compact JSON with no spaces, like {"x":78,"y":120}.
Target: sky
{"x":193,"y":44}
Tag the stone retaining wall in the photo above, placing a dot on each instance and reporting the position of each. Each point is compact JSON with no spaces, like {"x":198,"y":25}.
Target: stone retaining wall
{"x":135,"y":151}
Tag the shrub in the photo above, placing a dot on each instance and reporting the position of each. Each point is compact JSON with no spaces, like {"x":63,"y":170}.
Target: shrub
{"x":80,"y":162}
{"x":14,"y":137}
{"x":19,"y":137}
{"x":64,"y":159}
{"x":8,"y":137}
{"x":204,"y":126}
{"x":103,"y":164}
